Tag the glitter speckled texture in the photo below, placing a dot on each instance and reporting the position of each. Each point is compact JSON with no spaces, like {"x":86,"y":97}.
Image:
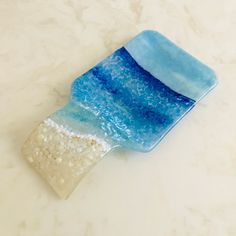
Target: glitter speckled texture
{"x":62,"y":158}
{"x":131,"y":99}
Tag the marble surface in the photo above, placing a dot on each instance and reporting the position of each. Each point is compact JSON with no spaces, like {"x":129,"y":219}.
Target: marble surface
{"x":185,"y":186}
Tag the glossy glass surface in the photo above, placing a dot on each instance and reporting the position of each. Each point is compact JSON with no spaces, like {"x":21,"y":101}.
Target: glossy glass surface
{"x":136,"y":95}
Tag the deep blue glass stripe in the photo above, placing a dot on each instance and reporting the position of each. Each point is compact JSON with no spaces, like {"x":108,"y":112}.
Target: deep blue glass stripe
{"x":132,"y":106}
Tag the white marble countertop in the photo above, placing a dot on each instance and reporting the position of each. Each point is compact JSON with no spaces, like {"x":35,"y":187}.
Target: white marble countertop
{"x":186,"y":186}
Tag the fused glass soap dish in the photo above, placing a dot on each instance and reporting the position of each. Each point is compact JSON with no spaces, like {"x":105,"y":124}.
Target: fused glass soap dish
{"x":131,"y":100}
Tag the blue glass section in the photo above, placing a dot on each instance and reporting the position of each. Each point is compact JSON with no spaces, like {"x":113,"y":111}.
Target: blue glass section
{"x":135,"y":96}
{"x":131,"y":107}
{"x":172,"y":65}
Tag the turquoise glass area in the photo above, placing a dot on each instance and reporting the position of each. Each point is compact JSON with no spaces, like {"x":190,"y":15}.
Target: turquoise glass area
{"x":136,"y":95}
